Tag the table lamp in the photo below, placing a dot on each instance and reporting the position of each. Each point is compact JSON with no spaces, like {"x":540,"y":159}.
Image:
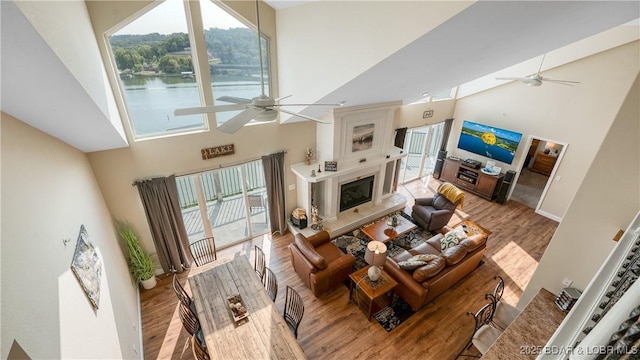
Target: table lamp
{"x":375,"y":256}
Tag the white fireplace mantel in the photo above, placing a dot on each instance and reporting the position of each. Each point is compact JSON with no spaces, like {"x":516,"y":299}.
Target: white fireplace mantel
{"x":304,"y":171}
{"x":357,"y":156}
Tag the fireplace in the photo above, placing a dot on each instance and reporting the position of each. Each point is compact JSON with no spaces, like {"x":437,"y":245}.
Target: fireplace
{"x":356,"y":193}
{"x":360,"y":189}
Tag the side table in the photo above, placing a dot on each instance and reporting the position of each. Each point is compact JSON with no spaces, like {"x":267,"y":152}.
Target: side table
{"x":371,"y":296}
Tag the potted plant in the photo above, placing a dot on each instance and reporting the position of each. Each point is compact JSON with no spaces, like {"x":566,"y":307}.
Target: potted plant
{"x":141,"y":263}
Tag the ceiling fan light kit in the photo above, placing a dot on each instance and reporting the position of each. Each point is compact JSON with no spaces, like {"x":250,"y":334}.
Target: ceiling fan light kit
{"x":261,"y":108}
{"x":533,"y":82}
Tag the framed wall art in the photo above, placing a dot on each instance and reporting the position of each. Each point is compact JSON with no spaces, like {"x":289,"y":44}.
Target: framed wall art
{"x":362,"y":135}
{"x":87,"y":266}
{"x":362,"y":138}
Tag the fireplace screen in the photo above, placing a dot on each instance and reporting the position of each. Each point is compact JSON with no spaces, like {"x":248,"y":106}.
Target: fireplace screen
{"x":356,"y":193}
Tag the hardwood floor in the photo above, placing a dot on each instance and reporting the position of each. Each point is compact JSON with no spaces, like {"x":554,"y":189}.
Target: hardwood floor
{"x":332,"y":328}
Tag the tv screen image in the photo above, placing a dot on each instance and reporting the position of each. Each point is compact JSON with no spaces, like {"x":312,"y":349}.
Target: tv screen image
{"x":492,"y":142}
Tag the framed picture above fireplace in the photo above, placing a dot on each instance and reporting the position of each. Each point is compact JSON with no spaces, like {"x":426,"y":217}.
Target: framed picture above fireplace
{"x":363,"y":136}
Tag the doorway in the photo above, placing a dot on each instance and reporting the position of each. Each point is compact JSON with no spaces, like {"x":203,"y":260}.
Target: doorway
{"x":229,"y":203}
{"x":536,"y":172}
{"x":421,"y":146}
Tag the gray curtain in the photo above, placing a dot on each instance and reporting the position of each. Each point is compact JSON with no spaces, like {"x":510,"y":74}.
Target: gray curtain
{"x":274,"y":178}
{"x":446,"y":131}
{"x":398,"y":142}
{"x":160,"y":200}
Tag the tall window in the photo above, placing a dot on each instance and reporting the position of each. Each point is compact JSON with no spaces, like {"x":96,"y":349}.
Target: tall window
{"x":155,"y":59}
{"x":234,"y":61}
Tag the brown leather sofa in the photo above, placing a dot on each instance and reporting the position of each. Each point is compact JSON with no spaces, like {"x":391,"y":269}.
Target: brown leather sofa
{"x":420,"y":286}
{"x":320,"y":263}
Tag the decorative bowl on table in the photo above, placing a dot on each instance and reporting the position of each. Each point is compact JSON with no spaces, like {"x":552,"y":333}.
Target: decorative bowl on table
{"x":492,"y":171}
{"x":238,"y":310}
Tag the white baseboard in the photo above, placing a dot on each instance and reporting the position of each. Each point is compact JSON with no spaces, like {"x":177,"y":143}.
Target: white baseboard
{"x":548,"y":215}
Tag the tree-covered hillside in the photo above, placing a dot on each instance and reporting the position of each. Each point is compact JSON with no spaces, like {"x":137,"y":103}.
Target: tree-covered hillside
{"x":170,"y":53}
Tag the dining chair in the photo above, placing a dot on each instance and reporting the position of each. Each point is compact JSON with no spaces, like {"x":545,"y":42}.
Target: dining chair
{"x":181,"y":293}
{"x":259,"y":263}
{"x":293,"y":310}
{"x":483,"y":333}
{"x":203,"y":251}
{"x":189,"y":318}
{"x":270,"y":283}
{"x":504,"y":313}
{"x":198,"y":346}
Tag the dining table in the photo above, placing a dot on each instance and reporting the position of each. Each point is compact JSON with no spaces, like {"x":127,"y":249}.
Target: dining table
{"x":263,"y":334}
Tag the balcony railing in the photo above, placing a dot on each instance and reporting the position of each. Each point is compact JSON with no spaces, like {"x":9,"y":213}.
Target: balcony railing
{"x":221,"y":183}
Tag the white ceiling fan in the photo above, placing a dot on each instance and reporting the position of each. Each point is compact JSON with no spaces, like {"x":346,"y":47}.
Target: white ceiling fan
{"x":536,"y":79}
{"x":261,"y":108}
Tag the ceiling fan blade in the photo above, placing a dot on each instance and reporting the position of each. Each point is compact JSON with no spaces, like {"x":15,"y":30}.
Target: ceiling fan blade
{"x":208,"y":109}
{"x":336,"y":104}
{"x":284,"y":97}
{"x":303,"y":116}
{"x":234,"y":99}
{"x":237,"y":122}
{"x":563,"y":82}
{"x":513,"y":78}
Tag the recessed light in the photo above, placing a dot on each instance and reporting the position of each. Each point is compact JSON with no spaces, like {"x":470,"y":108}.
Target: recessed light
{"x":426,"y":93}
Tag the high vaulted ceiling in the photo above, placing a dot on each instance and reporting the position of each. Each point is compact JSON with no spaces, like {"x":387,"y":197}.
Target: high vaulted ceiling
{"x":487,"y":36}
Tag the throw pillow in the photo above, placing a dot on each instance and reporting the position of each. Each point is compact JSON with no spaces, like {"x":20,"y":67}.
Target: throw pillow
{"x":448,"y":240}
{"x":459,"y":231}
{"x":423,"y":257}
{"x":411,"y":264}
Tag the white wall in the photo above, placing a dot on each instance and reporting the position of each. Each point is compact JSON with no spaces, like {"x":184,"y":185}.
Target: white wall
{"x":66,"y":27}
{"x":48,"y":192}
{"x":324,"y":37}
{"x":606,"y":201}
{"x":579,"y":116}
{"x":411,"y":115}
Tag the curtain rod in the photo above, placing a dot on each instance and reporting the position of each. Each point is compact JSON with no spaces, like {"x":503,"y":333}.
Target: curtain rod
{"x":214,"y":168}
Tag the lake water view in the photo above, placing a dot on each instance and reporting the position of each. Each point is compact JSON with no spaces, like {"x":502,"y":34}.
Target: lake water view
{"x":476,"y":145}
{"x":151,"y":102}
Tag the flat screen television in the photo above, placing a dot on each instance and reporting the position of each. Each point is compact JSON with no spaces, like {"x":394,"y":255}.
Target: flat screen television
{"x":492,"y":142}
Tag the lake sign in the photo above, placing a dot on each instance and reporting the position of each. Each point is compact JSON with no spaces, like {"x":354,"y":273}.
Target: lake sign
{"x":214,"y":152}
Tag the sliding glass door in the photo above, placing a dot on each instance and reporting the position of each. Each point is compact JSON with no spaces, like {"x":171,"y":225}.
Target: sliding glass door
{"x":229,"y":203}
{"x":421,"y":146}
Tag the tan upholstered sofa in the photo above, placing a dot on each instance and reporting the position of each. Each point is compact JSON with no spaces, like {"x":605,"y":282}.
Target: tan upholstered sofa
{"x":320,"y":264}
{"x":420,"y":286}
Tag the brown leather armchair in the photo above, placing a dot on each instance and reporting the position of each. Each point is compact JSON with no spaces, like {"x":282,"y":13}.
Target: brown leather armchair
{"x":435,"y":212}
{"x":320,"y":263}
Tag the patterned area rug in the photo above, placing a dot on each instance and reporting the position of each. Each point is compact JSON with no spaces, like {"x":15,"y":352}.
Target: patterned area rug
{"x":392,"y":316}
{"x":356,"y":242}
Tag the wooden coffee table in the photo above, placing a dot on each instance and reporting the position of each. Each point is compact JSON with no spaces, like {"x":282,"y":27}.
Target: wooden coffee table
{"x":371,"y":296}
{"x":381,"y":230}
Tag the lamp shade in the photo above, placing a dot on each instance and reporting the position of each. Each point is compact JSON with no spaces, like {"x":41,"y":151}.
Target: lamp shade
{"x":376,"y":253}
